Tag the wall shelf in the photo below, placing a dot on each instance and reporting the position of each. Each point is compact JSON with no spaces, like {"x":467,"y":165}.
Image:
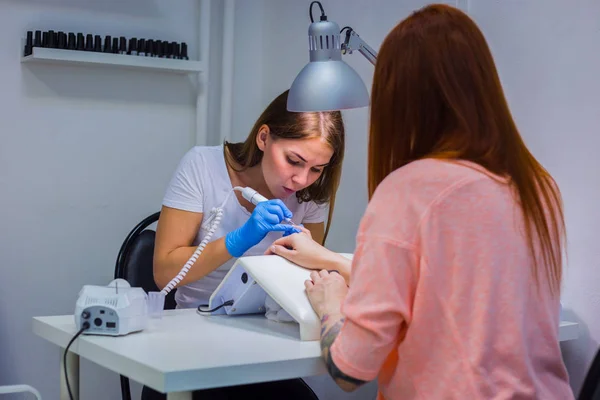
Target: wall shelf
{"x":74,"y":57}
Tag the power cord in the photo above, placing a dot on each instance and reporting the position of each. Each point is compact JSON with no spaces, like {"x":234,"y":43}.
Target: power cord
{"x":323,"y":16}
{"x":216,"y":214}
{"x":85,"y":326}
{"x":227,"y":303}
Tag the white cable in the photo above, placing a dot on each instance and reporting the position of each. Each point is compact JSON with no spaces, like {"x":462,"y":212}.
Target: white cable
{"x":218,"y":211}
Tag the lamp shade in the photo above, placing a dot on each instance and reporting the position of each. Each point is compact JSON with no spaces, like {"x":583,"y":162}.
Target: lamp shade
{"x":326,"y":83}
{"x":327,"y":86}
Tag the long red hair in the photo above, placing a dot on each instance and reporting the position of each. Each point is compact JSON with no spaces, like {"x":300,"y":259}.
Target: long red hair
{"x":436,"y":94}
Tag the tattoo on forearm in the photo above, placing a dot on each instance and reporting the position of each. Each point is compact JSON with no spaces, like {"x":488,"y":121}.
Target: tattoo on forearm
{"x":323,"y":327}
{"x":330,"y":328}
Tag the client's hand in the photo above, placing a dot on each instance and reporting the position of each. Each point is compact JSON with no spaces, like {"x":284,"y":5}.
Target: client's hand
{"x":326,"y":292}
{"x":302,"y":230}
{"x":301,"y":249}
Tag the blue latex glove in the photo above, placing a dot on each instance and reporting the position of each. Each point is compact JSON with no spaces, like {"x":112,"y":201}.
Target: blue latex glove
{"x":292,"y":231}
{"x":265,"y":218}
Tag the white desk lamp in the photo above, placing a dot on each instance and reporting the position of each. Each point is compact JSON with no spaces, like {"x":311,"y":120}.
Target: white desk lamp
{"x":327,"y":83}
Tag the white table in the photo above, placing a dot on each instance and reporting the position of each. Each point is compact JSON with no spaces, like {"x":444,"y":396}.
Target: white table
{"x":184,"y":351}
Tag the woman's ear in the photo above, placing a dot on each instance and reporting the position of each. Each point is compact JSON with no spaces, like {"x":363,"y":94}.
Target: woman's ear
{"x":262,"y":137}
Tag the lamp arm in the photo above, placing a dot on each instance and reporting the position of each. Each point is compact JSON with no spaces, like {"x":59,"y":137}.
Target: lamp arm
{"x":353,"y":42}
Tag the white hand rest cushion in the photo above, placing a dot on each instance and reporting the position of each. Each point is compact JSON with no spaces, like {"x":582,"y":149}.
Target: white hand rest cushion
{"x":283,"y":281}
{"x":275,"y":312}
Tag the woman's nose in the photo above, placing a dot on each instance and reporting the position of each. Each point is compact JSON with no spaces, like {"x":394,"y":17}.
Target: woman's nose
{"x":301,"y":179}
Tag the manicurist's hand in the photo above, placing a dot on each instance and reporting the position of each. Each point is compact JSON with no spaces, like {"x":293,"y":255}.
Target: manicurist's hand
{"x":265,"y":218}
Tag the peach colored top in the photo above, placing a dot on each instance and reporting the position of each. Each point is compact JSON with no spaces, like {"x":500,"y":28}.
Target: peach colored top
{"x":442,"y":303}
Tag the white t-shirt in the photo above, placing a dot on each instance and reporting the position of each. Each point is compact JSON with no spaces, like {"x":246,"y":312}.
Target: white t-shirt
{"x":202,"y":182}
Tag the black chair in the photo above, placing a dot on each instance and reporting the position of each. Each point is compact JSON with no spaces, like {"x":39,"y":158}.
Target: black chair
{"x":134,"y":264}
{"x":591,"y":385}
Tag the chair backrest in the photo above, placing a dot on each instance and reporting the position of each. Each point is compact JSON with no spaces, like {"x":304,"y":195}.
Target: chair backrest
{"x":135,"y":265}
{"x":591,"y":385}
{"x":135,"y":259}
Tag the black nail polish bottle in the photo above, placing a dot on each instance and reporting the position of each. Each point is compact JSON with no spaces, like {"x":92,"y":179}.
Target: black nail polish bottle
{"x":115,"y":45}
{"x":97,"y":43}
{"x":122,"y":45}
{"x":167,"y":49}
{"x":184,"y":51}
{"x":107,"y":44}
{"x":51,"y":39}
{"x":28,"y":44}
{"x":132,"y":47}
{"x":156,"y":48}
{"x":45,"y":40}
{"x":163,"y":49}
{"x":61,"y":43}
{"x":176,"y":50}
{"x":141,"y":47}
{"x":37,"y":40}
{"x":62,"y":40}
{"x":149,"y":48}
{"x":89,"y":42}
{"x":71,"y":41}
{"x":172,"y":49}
{"x":80,"y":42}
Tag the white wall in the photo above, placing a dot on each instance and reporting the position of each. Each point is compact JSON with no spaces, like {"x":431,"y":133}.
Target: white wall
{"x":85,"y":154}
{"x":547,"y":54}
{"x":248,"y":99}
